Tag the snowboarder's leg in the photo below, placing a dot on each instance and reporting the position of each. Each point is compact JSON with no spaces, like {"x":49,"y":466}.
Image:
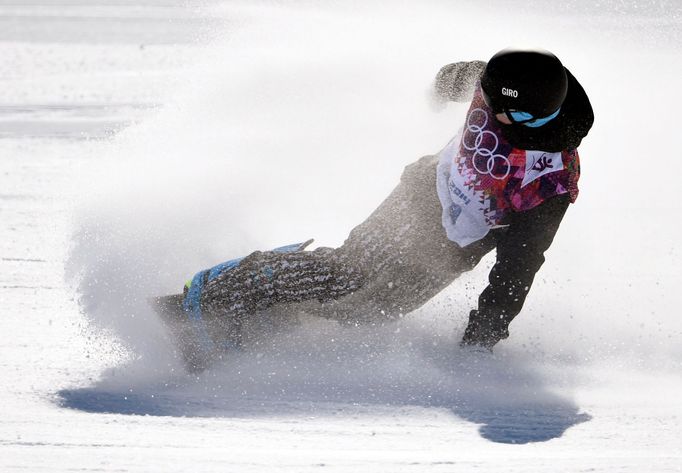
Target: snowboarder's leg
{"x":263,"y":279}
{"x":391,"y":264}
{"x":207,"y":319}
{"x":403,"y":252}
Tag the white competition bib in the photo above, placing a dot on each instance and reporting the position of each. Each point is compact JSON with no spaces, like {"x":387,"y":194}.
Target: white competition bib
{"x":463,"y":210}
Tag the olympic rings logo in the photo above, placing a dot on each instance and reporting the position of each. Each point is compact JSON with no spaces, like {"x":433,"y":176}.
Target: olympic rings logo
{"x":484,"y":137}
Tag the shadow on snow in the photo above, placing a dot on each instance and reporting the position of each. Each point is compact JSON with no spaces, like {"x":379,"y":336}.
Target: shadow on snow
{"x":363,"y":372}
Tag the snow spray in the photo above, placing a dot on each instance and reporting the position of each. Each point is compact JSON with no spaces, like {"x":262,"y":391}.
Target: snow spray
{"x":296,"y":123}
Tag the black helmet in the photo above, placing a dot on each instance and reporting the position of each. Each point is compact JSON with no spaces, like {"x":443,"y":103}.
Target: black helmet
{"x":532,"y":81}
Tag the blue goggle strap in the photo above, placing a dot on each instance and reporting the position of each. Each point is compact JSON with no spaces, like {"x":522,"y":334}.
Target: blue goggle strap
{"x":526,"y":119}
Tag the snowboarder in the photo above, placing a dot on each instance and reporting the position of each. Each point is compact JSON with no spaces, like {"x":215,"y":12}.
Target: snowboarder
{"x":503,"y":182}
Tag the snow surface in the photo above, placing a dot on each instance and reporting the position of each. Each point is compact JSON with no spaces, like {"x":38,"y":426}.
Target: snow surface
{"x":141,"y":141}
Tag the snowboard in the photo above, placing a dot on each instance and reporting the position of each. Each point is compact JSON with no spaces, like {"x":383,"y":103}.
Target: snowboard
{"x":188,"y":337}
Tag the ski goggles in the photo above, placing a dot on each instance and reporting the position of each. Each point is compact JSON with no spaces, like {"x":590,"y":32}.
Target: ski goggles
{"x":526,"y":119}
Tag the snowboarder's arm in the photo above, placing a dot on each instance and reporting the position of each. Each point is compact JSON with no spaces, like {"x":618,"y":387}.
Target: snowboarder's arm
{"x":520,"y":254}
{"x":456,"y":81}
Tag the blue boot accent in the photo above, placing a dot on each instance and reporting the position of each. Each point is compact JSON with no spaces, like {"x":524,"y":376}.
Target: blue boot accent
{"x":192,"y":306}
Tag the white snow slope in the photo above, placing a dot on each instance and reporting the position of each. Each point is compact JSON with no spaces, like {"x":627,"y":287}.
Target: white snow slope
{"x":142,"y":141}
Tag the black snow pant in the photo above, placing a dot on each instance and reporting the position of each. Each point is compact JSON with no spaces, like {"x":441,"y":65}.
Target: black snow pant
{"x":390,"y":265}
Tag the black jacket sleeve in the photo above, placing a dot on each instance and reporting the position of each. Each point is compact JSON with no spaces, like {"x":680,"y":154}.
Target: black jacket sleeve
{"x":520,"y":254}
